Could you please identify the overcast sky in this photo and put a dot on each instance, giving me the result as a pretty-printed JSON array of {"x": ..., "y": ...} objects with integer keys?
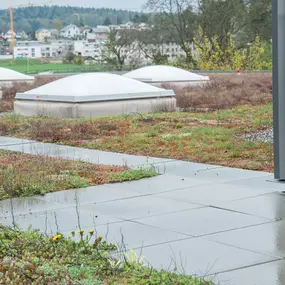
[{"x": 118, "y": 4}]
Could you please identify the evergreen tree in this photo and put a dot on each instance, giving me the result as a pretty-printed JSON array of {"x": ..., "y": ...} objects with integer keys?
[{"x": 107, "y": 22}]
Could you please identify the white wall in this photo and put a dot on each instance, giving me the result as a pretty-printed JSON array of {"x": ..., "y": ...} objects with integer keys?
[
  {"x": 28, "y": 51},
  {"x": 93, "y": 49}
]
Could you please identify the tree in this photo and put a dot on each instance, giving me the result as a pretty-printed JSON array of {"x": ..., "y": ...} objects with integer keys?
[
  {"x": 151, "y": 43},
  {"x": 119, "y": 46},
  {"x": 107, "y": 22},
  {"x": 136, "y": 19},
  {"x": 23, "y": 25},
  {"x": 33, "y": 36},
  {"x": 57, "y": 25},
  {"x": 212, "y": 57},
  {"x": 47, "y": 15},
  {"x": 179, "y": 19},
  {"x": 119, "y": 20},
  {"x": 82, "y": 21},
  {"x": 221, "y": 18},
  {"x": 70, "y": 56},
  {"x": 78, "y": 60},
  {"x": 139, "y": 18},
  {"x": 259, "y": 23}
]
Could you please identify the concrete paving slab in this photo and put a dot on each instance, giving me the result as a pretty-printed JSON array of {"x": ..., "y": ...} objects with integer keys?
[
  {"x": 143, "y": 206},
  {"x": 197, "y": 256},
  {"x": 159, "y": 184},
  {"x": 271, "y": 206},
  {"x": 257, "y": 182},
  {"x": 8, "y": 141},
  {"x": 213, "y": 194},
  {"x": 60, "y": 220},
  {"x": 76, "y": 153},
  {"x": 237, "y": 236},
  {"x": 222, "y": 174},
  {"x": 130, "y": 235},
  {"x": 202, "y": 221},
  {"x": 26, "y": 205},
  {"x": 271, "y": 273},
  {"x": 266, "y": 239},
  {"x": 183, "y": 168},
  {"x": 89, "y": 195},
  {"x": 43, "y": 149}
]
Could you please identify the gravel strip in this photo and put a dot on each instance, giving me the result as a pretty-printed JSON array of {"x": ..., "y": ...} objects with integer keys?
[{"x": 263, "y": 136}]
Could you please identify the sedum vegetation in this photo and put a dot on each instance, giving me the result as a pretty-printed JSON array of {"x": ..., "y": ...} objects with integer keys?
[
  {"x": 30, "y": 258},
  {"x": 209, "y": 128},
  {"x": 28, "y": 175},
  {"x": 209, "y": 137}
]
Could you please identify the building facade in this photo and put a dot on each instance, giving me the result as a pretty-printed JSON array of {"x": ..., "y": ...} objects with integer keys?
[
  {"x": 89, "y": 49},
  {"x": 71, "y": 32},
  {"x": 43, "y": 35},
  {"x": 36, "y": 49}
]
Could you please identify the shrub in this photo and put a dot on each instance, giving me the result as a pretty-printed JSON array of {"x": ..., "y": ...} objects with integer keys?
[
  {"x": 226, "y": 91},
  {"x": 6, "y": 106}
]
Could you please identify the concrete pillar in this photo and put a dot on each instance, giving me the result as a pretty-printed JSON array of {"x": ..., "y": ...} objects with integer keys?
[{"x": 278, "y": 40}]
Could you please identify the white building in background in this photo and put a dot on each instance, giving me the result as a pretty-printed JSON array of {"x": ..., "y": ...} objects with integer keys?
[
  {"x": 9, "y": 34},
  {"x": 171, "y": 50},
  {"x": 98, "y": 33},
  {"x": 36, "y": 49},
  {"x": 28, "y": 49},
  {"x": 130, "y": 26},
  {"x": 43, "y": 35},
  {"x": 23, "y": 36},
  {"x": 70, "y": 32},
  {"x": 89, "y": 49},
  {"x": 135, "y": 54},
  {"x": 61, "y": 47},
  {"x": 54, "y": 33}
]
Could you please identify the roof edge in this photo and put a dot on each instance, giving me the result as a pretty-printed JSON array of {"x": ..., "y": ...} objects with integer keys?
[
  {"x": 95, "y": 98},
  {"x": 149, "y": 80}
]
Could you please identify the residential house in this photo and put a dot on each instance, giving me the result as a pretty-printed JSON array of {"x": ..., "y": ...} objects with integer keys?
[
  {"x": 23, "y": 36},
  {"x": 9, "y": 34},
  {"x": 71, "y": 32},
  {"x": 94, "y": 34},
  {"x": 42, "y": 35},
  {"x": 54, "y": 33},
  {"x": 101, "y": 33}
]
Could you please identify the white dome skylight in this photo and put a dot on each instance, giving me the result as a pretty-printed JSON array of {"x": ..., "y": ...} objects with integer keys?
[
  {"x": 164, "y": 74},
  {"x": 11, "y": 75},
  {"x": 91, "y": 87}
]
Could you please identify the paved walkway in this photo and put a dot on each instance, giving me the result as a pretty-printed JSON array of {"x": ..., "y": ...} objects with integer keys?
[{"x": 222, "y": 223}]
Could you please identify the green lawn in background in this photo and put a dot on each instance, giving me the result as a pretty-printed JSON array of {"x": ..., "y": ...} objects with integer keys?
[{"x": 34, "y": 66}]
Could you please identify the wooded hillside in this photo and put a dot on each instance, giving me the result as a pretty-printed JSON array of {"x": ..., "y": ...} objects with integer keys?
[{"x": 29, "y": 19}]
